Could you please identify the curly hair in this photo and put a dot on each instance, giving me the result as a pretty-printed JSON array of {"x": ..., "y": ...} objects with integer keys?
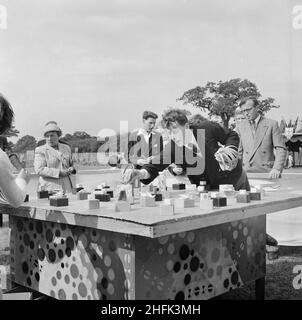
[
  {"x": 196, "y": 120},
  {"x": 175, "y": 115},
  {"x": 7, "y": 115}
]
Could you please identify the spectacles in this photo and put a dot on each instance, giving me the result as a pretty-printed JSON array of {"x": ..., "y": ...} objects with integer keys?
[{"x": 247, "y": 110}]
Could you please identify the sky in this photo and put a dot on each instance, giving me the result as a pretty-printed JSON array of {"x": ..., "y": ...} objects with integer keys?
[{"x": 89, "y": 64}]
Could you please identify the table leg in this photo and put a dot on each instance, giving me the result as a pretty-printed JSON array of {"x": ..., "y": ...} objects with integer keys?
[
  {"x": 1, "y": 220},
  {"x": 260, "y": 289}
]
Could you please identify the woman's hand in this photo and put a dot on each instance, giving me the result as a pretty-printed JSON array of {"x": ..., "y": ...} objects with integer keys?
[
  {"x": 23, "y": 174},
  {"x": 177, "y": 170}
]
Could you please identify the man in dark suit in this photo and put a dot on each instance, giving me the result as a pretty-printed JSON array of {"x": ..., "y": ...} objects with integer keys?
[
  {"x": 197, "y": 152},
  {"x": 145, "y": 143},
  {"x": 262, "y": 146}
]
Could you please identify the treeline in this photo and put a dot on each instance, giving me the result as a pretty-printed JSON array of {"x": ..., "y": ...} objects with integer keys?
[{"x": 79, "y": 141}]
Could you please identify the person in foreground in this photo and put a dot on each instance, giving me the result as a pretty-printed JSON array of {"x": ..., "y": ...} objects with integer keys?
[
  {"x": 12, "y": 188},
  {"x": 53, "y": 162},
  {"x": 201, "y": 156}
]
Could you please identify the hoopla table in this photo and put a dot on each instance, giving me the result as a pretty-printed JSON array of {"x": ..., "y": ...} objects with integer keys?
[{"x": 75, "y": 253}]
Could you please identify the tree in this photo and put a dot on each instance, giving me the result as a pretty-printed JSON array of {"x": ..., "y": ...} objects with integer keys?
[
  {"x": 223, "y": 98},
  {"x": 25, "y": 143},
  {"x": 81, "y": 135}
]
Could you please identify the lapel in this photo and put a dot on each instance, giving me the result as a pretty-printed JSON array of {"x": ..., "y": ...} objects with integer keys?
[
  {"x": 260, "y": 132},
  {"x": 53, "y": 152}
]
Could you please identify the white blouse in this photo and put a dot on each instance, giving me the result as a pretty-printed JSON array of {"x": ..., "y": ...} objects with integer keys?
[{"x": 13, "y": 188}]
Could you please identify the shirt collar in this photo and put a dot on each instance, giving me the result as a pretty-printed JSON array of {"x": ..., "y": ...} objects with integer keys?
[
  {"x": 257, "y": 120},
  {"x": 143, "y": 132}
]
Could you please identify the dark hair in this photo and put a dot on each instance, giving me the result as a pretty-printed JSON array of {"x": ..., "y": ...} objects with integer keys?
[
  {"x": 175, "y": 115},
  {"x": 196, "y": 120},
  {"x": 244, "y": 100},
  {"x": 7, "y": 116},
  {"x": 149, "y": 114}
]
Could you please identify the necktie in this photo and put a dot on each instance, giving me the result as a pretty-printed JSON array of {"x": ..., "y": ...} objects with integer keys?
[
  {"x": 150, "y": 145},
  {"x": 253, "y": 125}
]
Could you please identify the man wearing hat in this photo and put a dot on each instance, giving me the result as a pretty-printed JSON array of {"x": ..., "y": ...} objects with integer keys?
[{"x": 53, "y": 162}]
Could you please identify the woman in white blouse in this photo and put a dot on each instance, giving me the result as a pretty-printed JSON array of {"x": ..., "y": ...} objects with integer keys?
[{"x": 12, "y": 188}]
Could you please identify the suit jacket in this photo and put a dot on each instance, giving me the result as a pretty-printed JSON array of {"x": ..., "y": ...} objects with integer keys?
[
  {"x": 208, "y": 145},
  {"x": 48, "y": 163},
  {"x": 139, "y": 148},
  {"x": 265, "y": 150}
]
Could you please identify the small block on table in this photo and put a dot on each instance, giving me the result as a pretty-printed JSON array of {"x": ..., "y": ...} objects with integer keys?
[
  {"x": 42, "y": 194},
  {"x": 178, "y": 186},
  {"x": 122, "y": 206},
  {"x": 58, "y": 202},
  {"x": 166, "y": 210},
  {"x": 243, "y": 198},
  {"x": 255, "y": 195},
  {"x": 82, "y": 195},
  {"x": 102, "y": 197},
  {"x": 219, "y": 202},
  {"x": 94, "y": 204},
  {"x": 147, "y": 201}
]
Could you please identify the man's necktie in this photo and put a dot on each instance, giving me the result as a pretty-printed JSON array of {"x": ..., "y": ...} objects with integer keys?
[
  {"x": 150, "y": 145},
  {"x": 253, "y": 126}
]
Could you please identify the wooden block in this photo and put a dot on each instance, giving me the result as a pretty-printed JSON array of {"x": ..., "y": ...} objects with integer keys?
[
  {"x": 189, "y": 203},
  {"x": 102, "y": 197},
  {"x": 122, "y": 196},
  {"x": 42, "y": 194},
  {"x": 243, "y": 197},
  {"x": 206, "y": 203},
  {"x": 58, "y": 202},
  {"x": 166, "y": 209},
  {"x": 93, "y": 204},
  {"x": 110, "y": 192},
  {"x": 180, "y": 204},
  {"x": 82, "y": 195},
  {"x": 122, "y": 206},
  {"x": 147, "y": 201},
  {"x": 255, "y": 195},
  {"x": 158, "y": 197},
  {"x": 178, "y": 186},
  {"x": 219, "y": 202}
]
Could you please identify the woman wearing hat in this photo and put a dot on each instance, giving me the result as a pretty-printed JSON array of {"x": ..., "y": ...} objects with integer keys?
[{"x": 53, "y": 162}]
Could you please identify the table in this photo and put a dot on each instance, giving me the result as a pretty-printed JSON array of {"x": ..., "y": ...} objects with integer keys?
[{"x": 75, "y": 253}]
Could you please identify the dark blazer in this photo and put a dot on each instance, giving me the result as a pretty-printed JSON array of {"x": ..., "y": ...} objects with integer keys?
[
  {"x": 208, "y": 144},
  {"x": 139, "y": 148}
]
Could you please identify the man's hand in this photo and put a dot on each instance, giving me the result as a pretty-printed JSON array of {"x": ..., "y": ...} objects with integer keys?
[
  {"x": 142, "y": 162},
  {"x": 71, "y": 170},
  {"x": 177, "y": 170},
  {"x": 274, "y": 174},
  {"x": 64, "y": 173},
  {"x": 23, "y": 174},
  {"x": 130, "y": 175}
]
